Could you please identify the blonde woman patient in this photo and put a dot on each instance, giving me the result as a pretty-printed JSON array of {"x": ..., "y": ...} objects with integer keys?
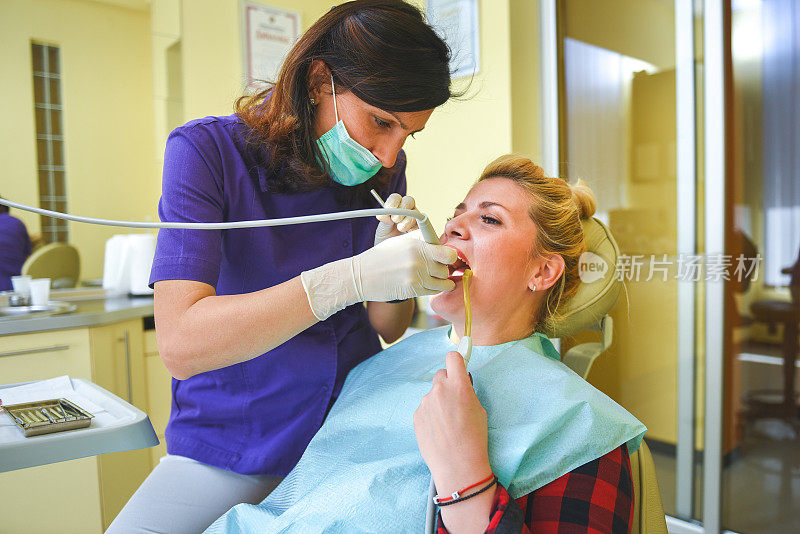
[{"x": 517, "y": 442}]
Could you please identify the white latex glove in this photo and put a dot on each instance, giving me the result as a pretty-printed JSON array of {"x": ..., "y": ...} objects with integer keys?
[
  {"x": 394, "y": 225},
  {"x": 396, "y": 269}
]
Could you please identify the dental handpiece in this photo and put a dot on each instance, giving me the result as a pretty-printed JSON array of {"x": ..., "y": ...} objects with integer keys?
[
  {"x": 425, "y": 225},
  {"x": 428, "y": 233},
  {"x": 426, "y": 228}
]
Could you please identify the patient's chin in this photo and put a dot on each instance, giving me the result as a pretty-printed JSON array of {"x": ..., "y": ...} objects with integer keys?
[{"x": 448, "y": 305}]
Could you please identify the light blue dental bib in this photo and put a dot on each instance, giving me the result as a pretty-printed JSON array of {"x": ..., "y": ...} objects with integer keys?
[{"x": 362, "y": 472}]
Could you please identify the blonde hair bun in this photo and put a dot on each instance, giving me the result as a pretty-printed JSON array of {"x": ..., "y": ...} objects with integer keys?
[{"x": 584, "y": 199}]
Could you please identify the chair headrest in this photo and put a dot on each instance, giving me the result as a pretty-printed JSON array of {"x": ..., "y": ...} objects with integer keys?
[{"x": 598, "y": 290}]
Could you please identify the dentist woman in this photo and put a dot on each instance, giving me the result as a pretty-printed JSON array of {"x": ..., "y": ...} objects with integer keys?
[{"x": 259, "y": 327}]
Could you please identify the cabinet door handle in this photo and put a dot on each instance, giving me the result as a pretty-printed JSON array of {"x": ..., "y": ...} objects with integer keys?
[
  {"x": 54, "y": 348},
  {"x": 127, "y": 340}
]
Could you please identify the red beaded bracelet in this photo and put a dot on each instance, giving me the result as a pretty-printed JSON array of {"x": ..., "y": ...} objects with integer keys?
[{"x": 456, "y": 494}]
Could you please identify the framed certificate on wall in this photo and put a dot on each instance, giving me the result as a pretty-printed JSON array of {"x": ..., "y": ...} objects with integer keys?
[
  {"x": 456, "y": 21},
  {"x": 268, "y": 35}
]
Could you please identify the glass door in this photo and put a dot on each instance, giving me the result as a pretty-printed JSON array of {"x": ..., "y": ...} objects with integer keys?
[
  {"x": 761, "y": 473},
  {"x": 618, "y": 131},
  {"x": 684, "y": 117}
]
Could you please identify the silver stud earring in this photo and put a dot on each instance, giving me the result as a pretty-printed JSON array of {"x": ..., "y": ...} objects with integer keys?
[
  {"x": 313, "y": 102},
  {"x": 534, "y": 289}
]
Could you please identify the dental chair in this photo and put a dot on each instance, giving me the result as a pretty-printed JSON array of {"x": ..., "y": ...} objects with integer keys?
[
  {"x": 59, "y": 262},
  {"x": 588, "y": 310},
  {"x": 581, "y": 357}
]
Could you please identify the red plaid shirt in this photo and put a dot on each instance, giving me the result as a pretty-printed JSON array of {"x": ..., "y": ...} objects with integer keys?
[{"x": 595, "y": 498}]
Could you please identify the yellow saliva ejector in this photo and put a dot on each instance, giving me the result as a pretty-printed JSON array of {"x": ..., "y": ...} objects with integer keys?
[{"x": 465, "y": 343}]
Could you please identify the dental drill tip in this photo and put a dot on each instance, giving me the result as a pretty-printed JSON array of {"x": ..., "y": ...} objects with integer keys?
[{"x": 377, "y": 197}]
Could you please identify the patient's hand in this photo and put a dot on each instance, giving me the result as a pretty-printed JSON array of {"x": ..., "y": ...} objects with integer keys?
[{"x": 450, "y": 425}]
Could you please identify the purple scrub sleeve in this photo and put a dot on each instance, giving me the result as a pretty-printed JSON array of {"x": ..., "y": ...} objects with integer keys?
[
  {"x": 191, "y": 192},
  {"x": 256, "y": 417},
  {"x": 15, "y": 247}
]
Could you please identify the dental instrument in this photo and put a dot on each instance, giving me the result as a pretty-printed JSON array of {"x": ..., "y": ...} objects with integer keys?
[
  {"x": 63, "y": 412},
  {"x": 425, "y": 226},
  {"x": 428, "y": 233},
  {"x": 49, "y": 417}
]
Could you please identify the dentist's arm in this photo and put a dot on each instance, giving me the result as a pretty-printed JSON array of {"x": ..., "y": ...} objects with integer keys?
[
  {"x": 389, "y": 319},
  {"x": 200, "y": 331}
]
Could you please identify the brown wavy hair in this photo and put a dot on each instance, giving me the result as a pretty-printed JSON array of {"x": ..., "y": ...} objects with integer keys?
[
  {"x": 381, "y": 50},
  {"x": 557, "y": 208}
]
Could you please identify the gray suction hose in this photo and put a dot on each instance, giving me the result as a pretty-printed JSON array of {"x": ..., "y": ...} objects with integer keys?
[{"x": 428, "y": 233}]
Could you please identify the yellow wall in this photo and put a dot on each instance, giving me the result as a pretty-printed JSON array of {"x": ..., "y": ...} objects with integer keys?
[
  {"x": 212, "y": 57},
  {"x": 499, "y": 113},
  {"x": 107, "y": 101},
  {"x": 525, "y": 79},
  {"x": 644, "y": 29}
]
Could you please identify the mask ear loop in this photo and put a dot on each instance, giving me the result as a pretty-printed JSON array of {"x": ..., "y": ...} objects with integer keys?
[{"x": 335, "y": 110}]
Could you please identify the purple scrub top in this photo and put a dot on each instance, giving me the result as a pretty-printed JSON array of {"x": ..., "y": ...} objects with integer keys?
[
  {"x": 258, "y": 416},
  {"x": 15, "y": 247}
]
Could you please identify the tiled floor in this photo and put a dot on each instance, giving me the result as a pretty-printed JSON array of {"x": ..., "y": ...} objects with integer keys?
[{"x": 761, "y": 487}]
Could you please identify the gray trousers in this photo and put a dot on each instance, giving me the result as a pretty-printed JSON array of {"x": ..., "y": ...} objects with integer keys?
[{"x": 182, "y": 495}]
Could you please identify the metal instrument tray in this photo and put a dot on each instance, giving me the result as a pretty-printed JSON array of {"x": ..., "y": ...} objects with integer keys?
[
  {"x": 45, "y": 417},
  {"x": 118, "y": 426}
]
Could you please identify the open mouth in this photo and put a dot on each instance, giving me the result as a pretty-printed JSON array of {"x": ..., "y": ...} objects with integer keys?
[{"x": 457, "y": 269}]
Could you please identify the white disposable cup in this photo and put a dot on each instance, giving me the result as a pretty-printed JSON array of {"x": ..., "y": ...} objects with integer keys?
[
  {"x": 40, "y": 291},
  {"x": 21, "y": 285}
]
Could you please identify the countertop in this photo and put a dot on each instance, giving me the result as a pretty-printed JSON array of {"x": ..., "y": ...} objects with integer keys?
[{"x": 95, "y": 308}]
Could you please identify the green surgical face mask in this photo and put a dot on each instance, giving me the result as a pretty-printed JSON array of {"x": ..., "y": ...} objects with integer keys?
[{"x": 349, "y": 162}]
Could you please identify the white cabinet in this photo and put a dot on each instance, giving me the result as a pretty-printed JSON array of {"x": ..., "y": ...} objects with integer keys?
[
  {"x": 159, "y": 393},
  {"x": 83, "y": 495},
  {"x": 118, "y": 366}
]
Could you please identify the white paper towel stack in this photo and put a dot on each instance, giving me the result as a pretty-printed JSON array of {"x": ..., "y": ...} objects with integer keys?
[{"x": 128, "y": 260}]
